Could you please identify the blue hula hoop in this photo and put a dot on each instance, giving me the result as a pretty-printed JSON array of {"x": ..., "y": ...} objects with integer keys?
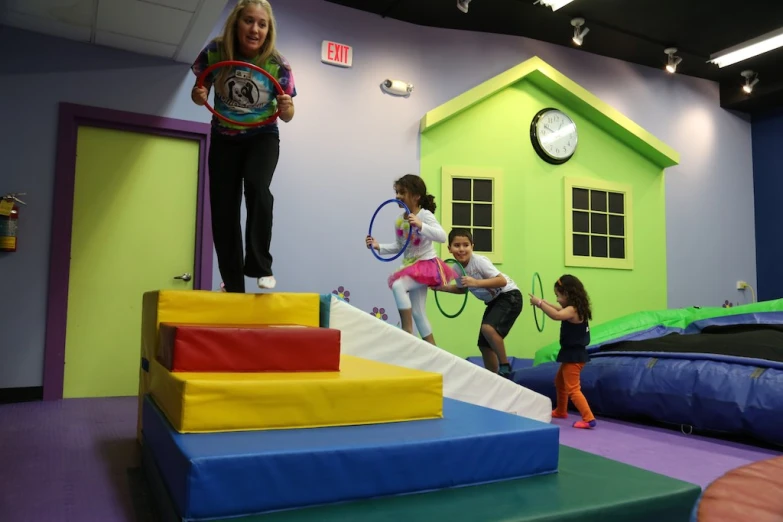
[{"x": 410, "y": 230}]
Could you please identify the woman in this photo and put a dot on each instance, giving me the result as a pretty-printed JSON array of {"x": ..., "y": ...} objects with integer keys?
[{"x": 240, "y": 154}]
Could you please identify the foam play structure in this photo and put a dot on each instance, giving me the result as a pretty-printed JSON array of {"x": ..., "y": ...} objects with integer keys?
[
  {"x": 710, "y": 369},
  {"x": 263, "y": 407}
]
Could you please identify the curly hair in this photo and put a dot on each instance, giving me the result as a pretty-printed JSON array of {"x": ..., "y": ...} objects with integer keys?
[
  {"x": 413, "y": 184},
  {"x": 576, "y": 295}
]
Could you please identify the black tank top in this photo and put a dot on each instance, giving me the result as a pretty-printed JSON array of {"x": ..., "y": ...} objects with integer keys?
[{"x": 574, "y": 340}]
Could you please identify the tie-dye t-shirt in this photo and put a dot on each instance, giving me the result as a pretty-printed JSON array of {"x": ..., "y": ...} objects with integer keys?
[{"x": 245, "y": 95}]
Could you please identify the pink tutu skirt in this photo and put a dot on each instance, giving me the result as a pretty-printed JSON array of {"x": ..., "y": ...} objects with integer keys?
[{"x": 431, "y": 272}]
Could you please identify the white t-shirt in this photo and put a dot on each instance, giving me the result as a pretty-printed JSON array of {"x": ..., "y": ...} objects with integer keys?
[
  {"x": 420, "y": 248},
  {"x": 480, "y": 267}
]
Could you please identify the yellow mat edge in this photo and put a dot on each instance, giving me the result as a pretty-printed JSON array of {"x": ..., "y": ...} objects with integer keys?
[{"x": 420, "y": 398}]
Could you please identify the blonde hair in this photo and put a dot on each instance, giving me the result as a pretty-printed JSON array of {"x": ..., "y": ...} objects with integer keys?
[{"x": 226, "y": 42}]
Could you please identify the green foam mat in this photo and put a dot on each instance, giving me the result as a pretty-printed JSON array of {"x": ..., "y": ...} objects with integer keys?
[
  {"x": 587, "y": 488},
  {"x": 672, "y": 318}
]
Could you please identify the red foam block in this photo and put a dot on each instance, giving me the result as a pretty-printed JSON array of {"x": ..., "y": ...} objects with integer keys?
[{"x": 237, "y": 348}]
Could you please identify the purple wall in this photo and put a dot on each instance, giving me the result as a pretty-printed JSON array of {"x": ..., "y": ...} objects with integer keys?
[{"x": 348, "y": 142}]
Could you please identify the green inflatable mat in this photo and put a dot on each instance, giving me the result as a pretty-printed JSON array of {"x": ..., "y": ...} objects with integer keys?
[
  {"x": 679, "y": 318},
  {"x": 586, "y": 488}
]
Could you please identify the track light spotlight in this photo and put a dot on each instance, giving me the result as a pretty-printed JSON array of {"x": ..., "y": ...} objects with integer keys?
[
  {"x": 462, "y": 5},
  {"x": 674, "y": 61},
  {"x": 749, "y": 84},
  {"x": 579, "y": 34}
]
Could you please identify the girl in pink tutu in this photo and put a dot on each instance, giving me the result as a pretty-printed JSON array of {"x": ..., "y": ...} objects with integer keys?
[{"x": 421, "y": 268}]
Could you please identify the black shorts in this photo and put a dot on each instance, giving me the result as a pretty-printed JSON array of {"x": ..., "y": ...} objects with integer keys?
[{"x": 501, "y": 313}]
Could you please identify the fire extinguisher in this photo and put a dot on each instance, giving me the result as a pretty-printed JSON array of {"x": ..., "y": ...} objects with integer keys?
[{"x": 9, "y": 221}]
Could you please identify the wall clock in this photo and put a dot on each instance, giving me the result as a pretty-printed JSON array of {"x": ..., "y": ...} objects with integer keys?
[{"x": 554, "y": 135}]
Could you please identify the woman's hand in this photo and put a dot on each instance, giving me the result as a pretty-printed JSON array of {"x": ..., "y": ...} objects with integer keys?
[
  {"x": 199, "y": 95},
  {"x": 285, "y": 105}
]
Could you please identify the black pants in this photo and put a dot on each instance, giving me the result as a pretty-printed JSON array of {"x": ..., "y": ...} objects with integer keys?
[{"x": 232, "y": 161}]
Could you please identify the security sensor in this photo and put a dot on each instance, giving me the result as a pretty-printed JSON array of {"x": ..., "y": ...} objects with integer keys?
[{"x": 397, "y": 88}]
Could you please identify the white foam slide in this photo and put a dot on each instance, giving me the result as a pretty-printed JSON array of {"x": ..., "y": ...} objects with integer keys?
[{"x": 362, "y": 335}]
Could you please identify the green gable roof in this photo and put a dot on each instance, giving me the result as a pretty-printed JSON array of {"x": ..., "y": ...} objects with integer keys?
[{"x": 554, "y": 83}]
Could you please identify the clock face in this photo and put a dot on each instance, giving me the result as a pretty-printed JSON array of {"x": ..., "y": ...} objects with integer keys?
[{"x": 554, "y": 136}]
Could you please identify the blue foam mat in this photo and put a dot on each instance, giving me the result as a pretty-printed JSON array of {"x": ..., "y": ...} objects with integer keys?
[
  {"x": 713, "y": 395},
  {"x": 232, "y": 474}
]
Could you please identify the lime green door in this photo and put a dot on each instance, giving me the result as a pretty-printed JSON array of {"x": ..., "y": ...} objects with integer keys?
[{"x": 134, "y": 223}]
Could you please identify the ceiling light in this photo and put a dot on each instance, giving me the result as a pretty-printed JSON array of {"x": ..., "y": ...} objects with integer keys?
[
  {"x": 554, "y": 4},
  {"x": 748, "y": 87},
  {"x": 579, "y": 36},
  {"x": 462, "y": 5},
  {"x": 749, "y": 49},
  {"x": 674, "y": 61}
]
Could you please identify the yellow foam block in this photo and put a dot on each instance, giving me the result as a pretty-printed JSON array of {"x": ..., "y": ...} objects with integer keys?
[
  {"x": 363, "y": 392},
  {"x": 204, "y": 307}
]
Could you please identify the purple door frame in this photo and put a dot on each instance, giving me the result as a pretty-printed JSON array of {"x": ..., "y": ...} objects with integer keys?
[{"x": 71, "y": 116}]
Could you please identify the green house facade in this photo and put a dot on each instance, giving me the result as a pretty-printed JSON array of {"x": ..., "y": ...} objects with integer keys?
[{"x": 594, "y": 206}]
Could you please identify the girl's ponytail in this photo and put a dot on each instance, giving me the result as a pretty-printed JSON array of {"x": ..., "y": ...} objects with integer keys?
[{"x": 428, "y": 203}]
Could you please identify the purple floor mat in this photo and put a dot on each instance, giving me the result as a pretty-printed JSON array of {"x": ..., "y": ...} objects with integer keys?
[
  {"x": 77, "y": 460},
  {"x": 68, "y": 461},
  {"x": 692, "y": 458}
]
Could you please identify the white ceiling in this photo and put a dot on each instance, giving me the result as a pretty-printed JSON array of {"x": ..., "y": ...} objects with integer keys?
[{"x": 175, "y": 29}]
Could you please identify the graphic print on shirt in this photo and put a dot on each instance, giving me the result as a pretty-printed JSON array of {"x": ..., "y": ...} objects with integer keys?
[
  {"x": 245, "y": 95},
  {"x": 402, "y": 226}
]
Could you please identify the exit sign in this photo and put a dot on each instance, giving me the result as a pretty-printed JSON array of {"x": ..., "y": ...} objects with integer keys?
[{"x": 337, "y": 54}]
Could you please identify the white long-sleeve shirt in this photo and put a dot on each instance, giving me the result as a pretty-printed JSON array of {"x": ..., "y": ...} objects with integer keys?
[{"x": 420, "y": 247}]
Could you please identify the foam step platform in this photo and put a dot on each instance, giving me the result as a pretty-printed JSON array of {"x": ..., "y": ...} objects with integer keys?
[
  {"x": 221, "y": 475},
  {"x": 204, "y": 307},
  {"x": 362, "y": 392},
  {"x": 248, "y": 348},
  {"x": 586, "y": 488}
]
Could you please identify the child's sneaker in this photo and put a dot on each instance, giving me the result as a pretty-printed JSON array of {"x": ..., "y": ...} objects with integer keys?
[
  {"x": 222, "y": 287},
  {"x": 505, "y": 370},
  {"x": 584, "y": 425},
  {"x": 267, "y": 282}
]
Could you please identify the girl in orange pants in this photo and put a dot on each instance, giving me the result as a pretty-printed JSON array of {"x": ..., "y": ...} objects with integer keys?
[{"x": 574, "y": 315}]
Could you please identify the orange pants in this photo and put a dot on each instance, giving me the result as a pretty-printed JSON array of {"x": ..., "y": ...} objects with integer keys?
[{"x": 568, "y": 387}]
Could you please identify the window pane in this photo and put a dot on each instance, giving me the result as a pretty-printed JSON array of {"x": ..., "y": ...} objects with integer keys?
[
  {"x": 581, "y": 222},
  {"x": 581, "y": 245},
  {"x": 616, "y": 248},
  {"x": 616, "y": 226},
  {"x": 482, "y": 190},
  {"x": 482, "y": 215},
  {"x": 580, "y": 197},
  {"x": 597, "y": 223},
  {"x": 598, "y": 200},
  {"x": 598, "y": 246},
  {"x": 460, "y": 189},
  {"x": 460, "y": 214},
  {"x": 482, "y": 239},
  {"x": 616, "y": 203}
]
